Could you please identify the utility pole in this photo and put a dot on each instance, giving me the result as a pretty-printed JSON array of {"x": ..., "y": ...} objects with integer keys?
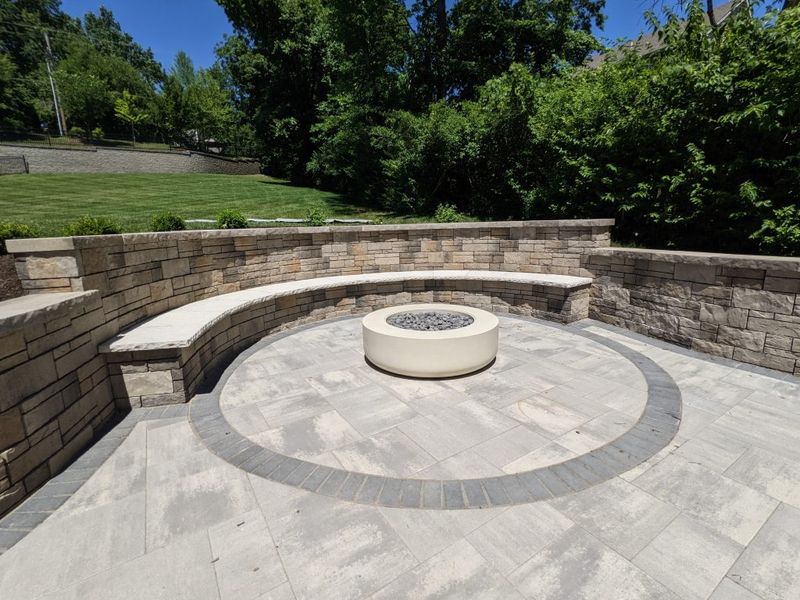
[{"x": 47, "y": 59}]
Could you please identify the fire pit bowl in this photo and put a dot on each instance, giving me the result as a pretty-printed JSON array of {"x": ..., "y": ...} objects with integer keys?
[{"x": 430, "y": 340}]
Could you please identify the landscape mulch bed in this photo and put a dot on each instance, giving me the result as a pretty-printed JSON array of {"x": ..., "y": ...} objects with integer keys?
[{"x": 10, "y": 286}]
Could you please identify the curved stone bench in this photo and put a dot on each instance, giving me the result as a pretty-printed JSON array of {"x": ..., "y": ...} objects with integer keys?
[{"x": 162, "y": 360}]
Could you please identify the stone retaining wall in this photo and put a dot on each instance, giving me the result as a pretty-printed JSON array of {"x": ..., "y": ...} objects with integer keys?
[
  {"x": 741, "y": 307},
  {"x": 123, "y": 160},
  {"x": 54, "y": 387},
  {"x": 144, "y": 274}
]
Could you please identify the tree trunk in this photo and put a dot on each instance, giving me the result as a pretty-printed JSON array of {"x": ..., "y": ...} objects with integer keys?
[
  {"x": 443, "y": 33},
  {"x": 712, "y": 16},
  {"x": 441, "y": 16}
]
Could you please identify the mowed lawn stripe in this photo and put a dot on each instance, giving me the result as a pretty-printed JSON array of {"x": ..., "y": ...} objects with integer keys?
[{"x": 49, "y": 202}]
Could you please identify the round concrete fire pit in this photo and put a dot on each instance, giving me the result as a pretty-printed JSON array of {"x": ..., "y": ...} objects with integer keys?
[{"x": 430, "y": 340}]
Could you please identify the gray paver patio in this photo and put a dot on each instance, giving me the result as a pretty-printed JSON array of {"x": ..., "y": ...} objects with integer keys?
[{"x": 715, "y": 514}]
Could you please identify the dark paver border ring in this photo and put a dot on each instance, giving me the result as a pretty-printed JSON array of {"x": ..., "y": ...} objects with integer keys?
[{"x": 654, "y": 430}]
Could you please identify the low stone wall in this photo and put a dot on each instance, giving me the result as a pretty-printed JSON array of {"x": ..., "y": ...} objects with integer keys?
[
  {"x": 54, "y": 387},
  {"x": 123, "y": 160},
  {"x": 741, "y": 307},
  {"x": 144, "y": 274}
]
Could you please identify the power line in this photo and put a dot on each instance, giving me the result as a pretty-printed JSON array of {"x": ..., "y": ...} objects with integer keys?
[
  {"x": 81, "y": 34},
  {"x": 56, "y": 103}
]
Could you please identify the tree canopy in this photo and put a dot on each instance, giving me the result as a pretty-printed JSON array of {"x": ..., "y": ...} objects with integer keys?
[
  {"x": 489, "y": 106},
  {"x": 99, "y": 68}
]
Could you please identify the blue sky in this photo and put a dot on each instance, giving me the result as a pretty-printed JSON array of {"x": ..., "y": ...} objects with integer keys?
[
  {"x": 196, "y": 26},
  {"x": 165, "y": 26}
]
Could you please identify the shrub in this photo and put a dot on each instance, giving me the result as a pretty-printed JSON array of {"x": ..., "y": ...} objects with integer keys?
[
  {"x": 11, "y": 231},
  {"x": 98, "y": 133},
  {"x": 447, "y": 213},
  {"x": 231, "y": 219},
  {"x": 316, "y": 216},
  {"x": 78, "y": 132},
  {"x": 167, "y": 221},
  {"x": 93, "y": 226}
]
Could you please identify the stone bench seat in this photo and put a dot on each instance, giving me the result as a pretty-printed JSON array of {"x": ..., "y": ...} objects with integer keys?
[{"x": 162, "y": 360}]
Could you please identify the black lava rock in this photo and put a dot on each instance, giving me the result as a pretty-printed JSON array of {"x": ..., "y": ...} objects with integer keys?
[{"x": 430, "y": 321}]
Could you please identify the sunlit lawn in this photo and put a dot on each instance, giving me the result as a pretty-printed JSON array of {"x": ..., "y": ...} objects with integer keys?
[{"x": 49, "y": 202}]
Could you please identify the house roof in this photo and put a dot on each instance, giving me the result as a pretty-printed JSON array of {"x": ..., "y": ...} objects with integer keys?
[{"x": 651, "y": 42}]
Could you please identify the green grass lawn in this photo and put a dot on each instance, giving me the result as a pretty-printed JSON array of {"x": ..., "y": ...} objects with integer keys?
[{"x": 49, "y": 202}]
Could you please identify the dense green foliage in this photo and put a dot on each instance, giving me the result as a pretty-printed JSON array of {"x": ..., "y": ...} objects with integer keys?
[
  {"x": 316, "y": 216},
  {"x": 488, "y": 107},
  {"x": 167, "y": 221},
  {"x": 230, "y": 218},
  {"x": 698, "y": 147},
  {"x": 482, "y": 108},
  {"x": 88, "y": 225},
  {"x": 108, "y": 83},
  {"x": 447, "y": 213}
]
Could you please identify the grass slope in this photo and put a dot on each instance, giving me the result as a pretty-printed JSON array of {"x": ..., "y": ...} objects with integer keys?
[{"x": 49, "y": 202}]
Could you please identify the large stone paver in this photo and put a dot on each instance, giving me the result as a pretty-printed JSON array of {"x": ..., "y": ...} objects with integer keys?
[
  {"x": 729, "y": 507},
  {"x": 73, "y": 547},
  {"x": 333, "y": 549},
  {"x": 672, "y": 558},
  {"x": 770, "y": 566},
  {"x": 459, "y": 571},
  {"x": 245, "y": 558},
  {"x": 618, "y": 513},
  {"x": 713, "y": 515},
  {"x": 577, "y": 565},
  {"x": 180, "y": 571}
]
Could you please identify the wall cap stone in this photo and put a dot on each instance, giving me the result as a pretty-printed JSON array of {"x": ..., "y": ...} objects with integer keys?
[
  {"x": 34, "y": 245},
  {"x": 38, "y": 308},
  {"x": 748, "y": 261}
]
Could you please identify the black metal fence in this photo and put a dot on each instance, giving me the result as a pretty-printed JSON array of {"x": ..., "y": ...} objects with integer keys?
[
  {"x": 36, "y": 138},
  {"x": 13, "y": 165}
]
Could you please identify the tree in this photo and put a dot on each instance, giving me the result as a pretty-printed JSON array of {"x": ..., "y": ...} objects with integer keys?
[
  {"x": 126, "y": 110},
  {"x": 368, "y": 63},
  {"x": 22, "y": 42},
  {"x": 488, "y": 36},
  {"x": 105, "y": 34},
  {"x": 195, "y": 105},
  {"x": 276, "y": 58},
  {"x": 7, "y": 73},
  {"x": 89, "y": 83},
  {"x": 429, "y": 60},
  {"x": 369, "y": 56}
]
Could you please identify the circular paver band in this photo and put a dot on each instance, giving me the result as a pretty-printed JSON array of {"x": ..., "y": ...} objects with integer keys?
[{"x": 654, "y": 430}]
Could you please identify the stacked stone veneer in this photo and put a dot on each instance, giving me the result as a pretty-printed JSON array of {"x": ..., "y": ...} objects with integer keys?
[
  {"x": 140, "y": 275},
  {"x": 124, "y": 160},
  {"x": 741, "y": 307},
  {"x": 54, "y": 387}
]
